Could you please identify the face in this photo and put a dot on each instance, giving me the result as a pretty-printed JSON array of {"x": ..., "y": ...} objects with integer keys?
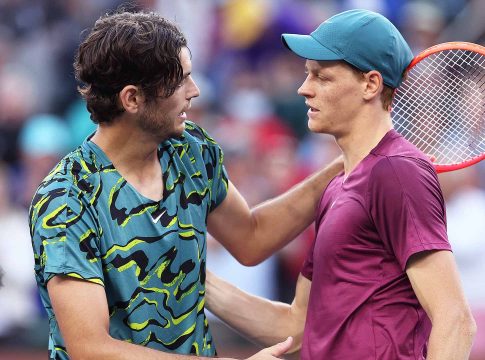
[
  {"x": 333, "y": 93},
  {"x": 165, "y": 118}
]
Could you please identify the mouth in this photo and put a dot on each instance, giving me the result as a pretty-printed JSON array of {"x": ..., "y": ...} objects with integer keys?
[
  {"x": 311, "y": 109},
  {"x": 183, "y": 113},
  {"x": 312, "y": 112}
]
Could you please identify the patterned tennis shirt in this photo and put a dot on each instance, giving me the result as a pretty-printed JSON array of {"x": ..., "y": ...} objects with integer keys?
[{"x": 87, "y": 222}]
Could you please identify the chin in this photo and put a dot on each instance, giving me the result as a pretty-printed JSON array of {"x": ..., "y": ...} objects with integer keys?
[
  {"x": 178, "y": 130},
  {"x": 318, "y": 128},
  {"x": 313, "y": 127}
]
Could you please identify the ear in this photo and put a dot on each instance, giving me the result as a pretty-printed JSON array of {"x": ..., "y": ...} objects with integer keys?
[
  {"x": 374, "y": 84},
  {"x": 130, "y": 98}
]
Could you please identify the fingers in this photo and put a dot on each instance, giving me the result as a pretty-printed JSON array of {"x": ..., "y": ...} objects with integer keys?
[
  {"x": 431, "y": 157},
  {"x": 274, "y": 351},
  {"x": 281, "y": 348}
]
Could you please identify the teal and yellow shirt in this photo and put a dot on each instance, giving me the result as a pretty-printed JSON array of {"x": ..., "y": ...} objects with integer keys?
[{"x": 87, "y": 222}]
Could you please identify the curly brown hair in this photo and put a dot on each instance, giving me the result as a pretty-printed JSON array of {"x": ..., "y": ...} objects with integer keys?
[{"x": 128, "y": 48}]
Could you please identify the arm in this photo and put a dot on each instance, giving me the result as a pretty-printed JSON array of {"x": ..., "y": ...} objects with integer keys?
[
  {"x": 251, "y": 235},
  {"x": 82, "y": 313},
  {"x": 262, "y": 321},
  {"x": 435, "y": 280}
]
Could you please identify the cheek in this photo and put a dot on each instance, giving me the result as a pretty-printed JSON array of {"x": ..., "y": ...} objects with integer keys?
[
  {"x": 329, "y": 103},
  {"x": 338, "y": 94},
  {"x": 343, "y": 98},
  {"x": 174, "y": 107},
  {"x": 329, "y": 94}
]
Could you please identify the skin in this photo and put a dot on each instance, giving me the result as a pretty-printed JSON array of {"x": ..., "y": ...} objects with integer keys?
[
  {"x": 260, "y": 320},
  {"x": 164, "y": 118},
  {"x": 131, "y": 143},
  {"x": 82, "y": 313},
  {"x": 332, "y": 97},
  {"x": 347, "y": 105}
]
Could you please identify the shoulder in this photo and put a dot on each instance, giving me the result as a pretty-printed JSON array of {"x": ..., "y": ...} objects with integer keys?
[
  {"x": 396, "y": 158},
  {"x": 78, "y": 164},
  {"x": 402, "y": 168},
  {"x": 193, "y": 133},
  {"x": 394, "y": 145},
  {"x": 197, "y": 143},
  {"x": 75, "y": 176},
  {"x": 400, "y": 176}
]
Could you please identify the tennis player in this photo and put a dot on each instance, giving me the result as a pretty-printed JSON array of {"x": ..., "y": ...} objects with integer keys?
[
  {"x": 380, "y": 281},
  {"x": 119, "y": 226}
]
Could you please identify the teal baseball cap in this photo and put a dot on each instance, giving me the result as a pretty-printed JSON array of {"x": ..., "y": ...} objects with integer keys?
[{"x": 362, "y": 38}]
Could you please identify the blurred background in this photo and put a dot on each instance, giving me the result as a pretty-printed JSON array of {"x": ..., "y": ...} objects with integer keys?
[{"x": 248, "y": 104}]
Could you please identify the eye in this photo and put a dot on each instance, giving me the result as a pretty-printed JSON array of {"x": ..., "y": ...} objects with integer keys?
[
  {"x": 323, "y": 78},
  {"x": 184, "y": 80}
]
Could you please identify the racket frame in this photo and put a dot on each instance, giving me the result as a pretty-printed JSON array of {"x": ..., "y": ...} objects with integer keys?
[{"x": 454, "y": 45}]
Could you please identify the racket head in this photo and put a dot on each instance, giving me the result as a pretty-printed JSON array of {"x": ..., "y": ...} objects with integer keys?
[{"x": 440, "y": 106}]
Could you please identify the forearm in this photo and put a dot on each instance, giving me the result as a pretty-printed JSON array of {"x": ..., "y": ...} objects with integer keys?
[
  {"x": 262, "y": 321},
  {"x": 253, "y": 235},
  {"x": 280, "y": 220},
  {"x": 82, "y": 314},
  {"x": 451, "y": 339},
  {"x": 109, "y": 348}
]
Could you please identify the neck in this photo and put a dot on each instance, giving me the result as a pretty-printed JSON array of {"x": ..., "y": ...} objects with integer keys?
[
  {"x": 365, "y": 134},
  {"x": 131, "y": 151}
]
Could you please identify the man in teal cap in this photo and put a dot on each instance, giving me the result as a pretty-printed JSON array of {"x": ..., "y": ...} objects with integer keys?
[{"x": 380, "y": 281}]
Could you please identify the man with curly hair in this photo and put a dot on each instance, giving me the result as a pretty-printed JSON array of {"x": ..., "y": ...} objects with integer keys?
[{"x": 119, "y": 226}]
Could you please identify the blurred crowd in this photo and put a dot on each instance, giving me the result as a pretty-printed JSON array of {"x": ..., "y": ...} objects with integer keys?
[{"x": 248, "y": 103}]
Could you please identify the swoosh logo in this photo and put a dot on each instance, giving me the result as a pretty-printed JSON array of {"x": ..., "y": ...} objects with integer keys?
[{"x": 156, "y": 219}]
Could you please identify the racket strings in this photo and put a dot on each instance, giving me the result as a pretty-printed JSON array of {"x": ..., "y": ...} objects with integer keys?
[
  {"x": 440, "y": 107},
  {"x": 444, "y": 105}
]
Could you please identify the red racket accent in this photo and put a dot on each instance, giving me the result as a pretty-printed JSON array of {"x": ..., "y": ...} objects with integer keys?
[{"x": 440, "y": 107}]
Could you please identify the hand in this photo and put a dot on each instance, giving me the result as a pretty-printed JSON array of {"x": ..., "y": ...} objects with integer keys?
[
  {"x": 273, "y": 352},
  {"x": 431, "y": 157}
]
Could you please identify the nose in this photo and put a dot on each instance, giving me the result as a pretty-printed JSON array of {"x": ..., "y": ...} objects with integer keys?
[
  {"x": 304, "y": 89},
  {"x": 193, "y": 90}
]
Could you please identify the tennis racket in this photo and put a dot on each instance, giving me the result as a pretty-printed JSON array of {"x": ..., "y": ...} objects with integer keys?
[{"x": 440, "y": 107}]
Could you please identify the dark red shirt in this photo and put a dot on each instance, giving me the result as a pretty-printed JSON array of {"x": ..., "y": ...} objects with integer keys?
[{"x": 362, "y": 305}]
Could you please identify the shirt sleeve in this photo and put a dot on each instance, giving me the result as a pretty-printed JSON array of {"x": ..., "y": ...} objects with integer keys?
[
  {"x": 407, "y": 207},
  {"x": 307, "y": 268},
  {"x": 219, "y": 183},
  {"x": 216, "y": 171},
  {"x": 65, "y": 236}
]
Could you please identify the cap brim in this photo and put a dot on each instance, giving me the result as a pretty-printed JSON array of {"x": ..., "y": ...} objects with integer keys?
[{"x": 307, "y": 47}]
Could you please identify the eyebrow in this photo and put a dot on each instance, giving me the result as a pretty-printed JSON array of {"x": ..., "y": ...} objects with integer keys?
[{"x": 313, "y": 69}]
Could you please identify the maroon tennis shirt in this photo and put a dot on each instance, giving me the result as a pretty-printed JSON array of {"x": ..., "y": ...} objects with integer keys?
[{"x": 362, "y": 305}]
